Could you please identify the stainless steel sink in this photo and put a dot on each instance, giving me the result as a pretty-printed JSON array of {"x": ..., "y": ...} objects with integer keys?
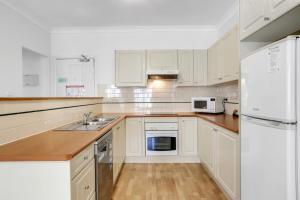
[{"x": 96, "y": 123}]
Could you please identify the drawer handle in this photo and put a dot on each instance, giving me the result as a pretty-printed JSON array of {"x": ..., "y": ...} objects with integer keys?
[
  {"x": 87, "y": 187},
  {"x": 267, "y": 18},
  {"x": 118, "y": 128},
  {"x": 215, "y": 129},
  {"x": 85, "y": 158}
]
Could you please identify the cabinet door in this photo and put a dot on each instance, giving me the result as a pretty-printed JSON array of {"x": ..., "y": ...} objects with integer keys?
[
  {"x": 162, "y": 59},
  {"x": 123, "y": 141},
  {"x": 116, "y": 151},
  {"x": 276, "y": 8},
  {"x": 130, "y": 68},
  {"x": 253, "y": 16},
  {"x": 227, "y": 162},
  {"x": 207, "y": 145},
  {"x": 188, "y": 136},
  {"x": 83, "y": 186},
  {"x": 212, "y": 65},
  {"x": 231, "y": 56},
  {"x": 135, "y": 140},
  {"x": 200, "y": 67},
  {"x": 186, "y": 67},
  {"x": 220, "y": 56}
]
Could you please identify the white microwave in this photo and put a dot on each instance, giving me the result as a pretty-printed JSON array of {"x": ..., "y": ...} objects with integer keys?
[{"x": 208, "y": 104}]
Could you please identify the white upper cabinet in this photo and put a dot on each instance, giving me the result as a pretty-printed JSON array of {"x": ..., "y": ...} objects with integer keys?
[
  {"x": 130, "y": 68},
  {"x": 186, "y": 67},
  {"x": 200, "y": 67},
  {"x": 231, "y": 56},
  {"x": 223, "y": 59},
  {"x": 188, "y": 136},
  {"x": 135, "y": 139},
  {"x": 212, "y": 65},
  {"x": 162, "y": 59},
  {"x": 253, "y": 16},
  {"x": 278, "y": 7},
  {"x": 192, "y": 65}
]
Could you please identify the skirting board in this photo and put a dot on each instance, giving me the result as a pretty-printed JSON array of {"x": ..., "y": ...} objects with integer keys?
[{"x": 163, "y": 159}]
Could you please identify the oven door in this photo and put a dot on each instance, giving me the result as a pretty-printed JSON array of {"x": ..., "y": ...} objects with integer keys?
[{"x": 161, "y": 143}]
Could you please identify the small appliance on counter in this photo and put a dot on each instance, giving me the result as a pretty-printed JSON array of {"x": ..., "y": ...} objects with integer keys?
[{"x": 208, "y": 104}]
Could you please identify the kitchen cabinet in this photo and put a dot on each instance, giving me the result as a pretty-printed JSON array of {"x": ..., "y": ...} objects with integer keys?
[
  {"x": 186, "y": 67},
  {"x": 83, "y": 186},
  {"x": 200, "y": 67},
  {"x": 119, "y": 148},
  {"x": 135, "y": 138},
  {"x": 219, "y": 153},
  {"x": 276, "y": 8},
  {"x": 162, "y": 59},
  {"x": 227, "y": 161},
  {"x": 188, "y": 136},
  {"x": 206, "y": 136},
  {"x": 231, "y": 56},
  {"x": 255, "y": 14},
  {"x": 223, "y": 59},
  {"x": 192, "y": 65},
  {"x": 130, "y": 68},
  {"x": 212, "y": 64}
]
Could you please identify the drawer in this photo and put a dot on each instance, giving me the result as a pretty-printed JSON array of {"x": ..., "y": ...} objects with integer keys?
[
  {"x": 83, "y": 186},
  {"x": 161, "y": 126},
  {"x": 161, "y": 119},
  {"x": 81, "y": 160}
]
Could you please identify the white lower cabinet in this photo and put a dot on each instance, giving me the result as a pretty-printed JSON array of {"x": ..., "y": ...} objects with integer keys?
[
  {"x": 135, "y": 138},
  {"x": 119, "y": 138},
  {"x": 188, "y": 136},
  {"x": 219, "y": 153},
  {"x": 206, "y": 144},
  {"x": 227, "y": 162},
  {"x": 83, "y": 185}
]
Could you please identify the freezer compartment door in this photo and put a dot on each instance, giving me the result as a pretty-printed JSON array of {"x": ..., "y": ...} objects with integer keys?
[
  {"x": 268, "y": 82},
  {"x": 267, "y": 161}
]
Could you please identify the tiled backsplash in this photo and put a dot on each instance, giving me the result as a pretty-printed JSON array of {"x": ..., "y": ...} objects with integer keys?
[{"x": 160, "y": 96}]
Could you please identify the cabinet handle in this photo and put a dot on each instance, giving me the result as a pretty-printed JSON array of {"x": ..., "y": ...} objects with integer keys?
[
  {"x": 267, "y": 18},
  {"x": 87, "y": 187},
  {"x": 118, "y": 128},
  {"x": 85, "y": 158},
  {"x": 220, "y": 78},
  {"x": 215, "y": 129}
]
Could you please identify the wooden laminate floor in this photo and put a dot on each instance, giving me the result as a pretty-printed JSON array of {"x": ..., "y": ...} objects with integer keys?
[{"x": 166, "y": 182}]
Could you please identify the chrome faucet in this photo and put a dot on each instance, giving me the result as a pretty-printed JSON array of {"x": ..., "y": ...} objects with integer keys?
[{"x": 86, "y": 117}]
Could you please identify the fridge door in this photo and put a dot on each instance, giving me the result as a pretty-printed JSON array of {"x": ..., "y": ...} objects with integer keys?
[
  {"x": 268, "y": 82},
  {"x": 267, "y": 160}
]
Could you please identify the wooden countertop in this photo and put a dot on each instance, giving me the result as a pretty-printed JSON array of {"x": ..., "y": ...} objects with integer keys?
[{"x": 64, "y": 145}]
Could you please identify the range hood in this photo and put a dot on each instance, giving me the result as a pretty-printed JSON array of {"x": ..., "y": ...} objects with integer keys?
[{"x": 162, "y": 74}]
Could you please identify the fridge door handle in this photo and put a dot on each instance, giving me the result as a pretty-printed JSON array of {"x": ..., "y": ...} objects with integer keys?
[{"x": 269, "y": 123}]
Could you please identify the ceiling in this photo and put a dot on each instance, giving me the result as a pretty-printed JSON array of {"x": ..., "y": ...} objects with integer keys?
[{"x": 69, "y": 13}]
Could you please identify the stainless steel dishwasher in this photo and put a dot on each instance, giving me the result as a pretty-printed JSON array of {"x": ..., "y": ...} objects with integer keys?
[{"x": 104, "y": 167}]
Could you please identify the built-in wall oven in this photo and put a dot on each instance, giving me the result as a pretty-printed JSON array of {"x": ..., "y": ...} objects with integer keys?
[{"x": 161, "y": 138}]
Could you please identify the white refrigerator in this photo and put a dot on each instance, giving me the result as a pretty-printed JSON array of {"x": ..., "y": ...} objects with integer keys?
[{"x": 270, "y": 82}]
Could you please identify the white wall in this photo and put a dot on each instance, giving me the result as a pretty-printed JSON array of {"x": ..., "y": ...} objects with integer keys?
[
  {"x": 17, "y": 32},
  {"x": 36, "y": 64},
  {"x": 101, "y": 43}
]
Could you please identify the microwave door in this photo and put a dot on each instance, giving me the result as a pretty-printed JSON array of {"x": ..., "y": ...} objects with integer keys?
[{"x": 200, "y": 104}]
